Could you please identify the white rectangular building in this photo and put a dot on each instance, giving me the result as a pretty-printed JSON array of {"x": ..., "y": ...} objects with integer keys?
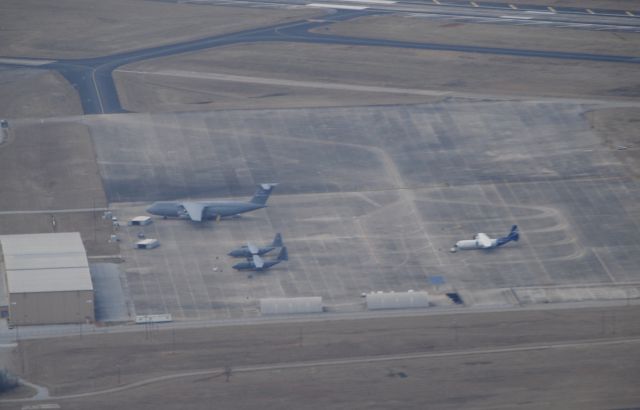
[
  {"x": 289, "y": 306},
  {"x": 140, "y": 221},
  {"x": 48, "y": 279},
  {"x": 397, "y": 300},
  {"x": 149, "y": 243}
]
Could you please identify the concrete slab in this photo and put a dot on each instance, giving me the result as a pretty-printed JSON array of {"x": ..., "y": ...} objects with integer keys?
[
  {"x": 111, "y": 302},
  {"x": 371, "y": 198},
  {"x": 578, "y": 293}
]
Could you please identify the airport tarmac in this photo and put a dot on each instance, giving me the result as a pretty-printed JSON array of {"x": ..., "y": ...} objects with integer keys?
[
  {"x": 504, "y": 129},
  {"x": 372, "y": 199}
]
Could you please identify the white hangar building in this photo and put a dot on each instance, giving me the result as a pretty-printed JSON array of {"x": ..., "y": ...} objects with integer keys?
[{"x": 47, "y": 279}]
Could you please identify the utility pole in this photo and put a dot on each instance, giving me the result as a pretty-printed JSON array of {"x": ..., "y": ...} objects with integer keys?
[{"x": 95, "y": 215}]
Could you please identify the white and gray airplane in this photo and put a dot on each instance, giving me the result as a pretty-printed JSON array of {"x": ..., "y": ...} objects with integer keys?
[
  {"x": 248, "y": 250},
  {"x": 483, "y": 241},
  {"x": 198, "y": 211},
  {"x": 256, "y": 263}
]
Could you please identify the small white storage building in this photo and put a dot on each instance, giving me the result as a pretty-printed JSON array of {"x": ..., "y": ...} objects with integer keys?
[
  {"x": 288, "y": 306},
  {"x": 147, "y": 244},
  {"x": 397, "y": 300},
  {"x": 140, "y": 221}
]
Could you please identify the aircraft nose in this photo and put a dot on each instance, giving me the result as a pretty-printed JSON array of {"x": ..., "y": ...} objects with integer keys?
[{"x": 152, "y": 209}]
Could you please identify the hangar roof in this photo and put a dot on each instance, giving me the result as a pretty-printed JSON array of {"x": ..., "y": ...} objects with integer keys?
[
  {"x": 49, "y": 280},
  {"x": 45, "y": 262}
]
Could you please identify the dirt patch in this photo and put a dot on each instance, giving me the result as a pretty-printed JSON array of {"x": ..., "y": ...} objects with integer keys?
[
  {"x": 619, "y": 129},
  {"x": 47, "y": 167},
  {"x": 487, "y": 35},
  {"x": 36, "y": 93},
  {"x": 96, "y": 362},
  {"x": 142, "y": 90},
  {"x": 76, "y": 29},
  {"x": 149, "y": 93}
]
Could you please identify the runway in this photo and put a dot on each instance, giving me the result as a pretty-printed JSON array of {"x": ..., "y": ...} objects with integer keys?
[{"x": 459, "y": 7}]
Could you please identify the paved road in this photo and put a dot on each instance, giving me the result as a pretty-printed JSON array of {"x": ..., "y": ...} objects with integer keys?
[{"x": 9, "y": 336}]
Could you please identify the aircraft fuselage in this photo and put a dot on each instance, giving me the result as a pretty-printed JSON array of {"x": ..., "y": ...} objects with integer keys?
[
  {"x": 473, "y": 244},
  {"x": 251, "y": 266},
  {"x": 212, "y": 210},
  {"x": 482, "y": 241},
  {"x": 244, "y": 252}
]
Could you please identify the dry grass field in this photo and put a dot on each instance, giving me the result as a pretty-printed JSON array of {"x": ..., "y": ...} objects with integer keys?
[{"x": 519, "y": 359}]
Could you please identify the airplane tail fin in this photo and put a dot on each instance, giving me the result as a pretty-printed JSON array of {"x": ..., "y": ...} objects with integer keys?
[
  {"x": 513, "y": 235},
  {"x": 283, "y": 255},
  {"x": 277, "y": 241},
  {"x": 262, "y": 194}
]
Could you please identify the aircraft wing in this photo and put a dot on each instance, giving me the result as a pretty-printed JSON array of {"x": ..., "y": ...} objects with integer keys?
[
  {"x": 483, "y": 240},
  {"x": 194, "y": 209},
  {"x": 258, "y": 262},
  {"x": 252, "y": 248}
]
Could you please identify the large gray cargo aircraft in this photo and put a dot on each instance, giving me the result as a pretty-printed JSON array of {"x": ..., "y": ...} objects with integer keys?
[{"x": 199, "y": 211}]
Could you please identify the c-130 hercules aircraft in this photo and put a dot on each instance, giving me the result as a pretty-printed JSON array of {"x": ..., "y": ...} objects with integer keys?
[
  {"x": 203, "y": 210},
  {"x": 248, "y": 250},
  {"x": 258, "y": 264}
]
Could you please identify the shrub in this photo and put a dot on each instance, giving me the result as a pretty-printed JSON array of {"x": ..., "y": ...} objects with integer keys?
[{"x": 7, "y": 381}]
